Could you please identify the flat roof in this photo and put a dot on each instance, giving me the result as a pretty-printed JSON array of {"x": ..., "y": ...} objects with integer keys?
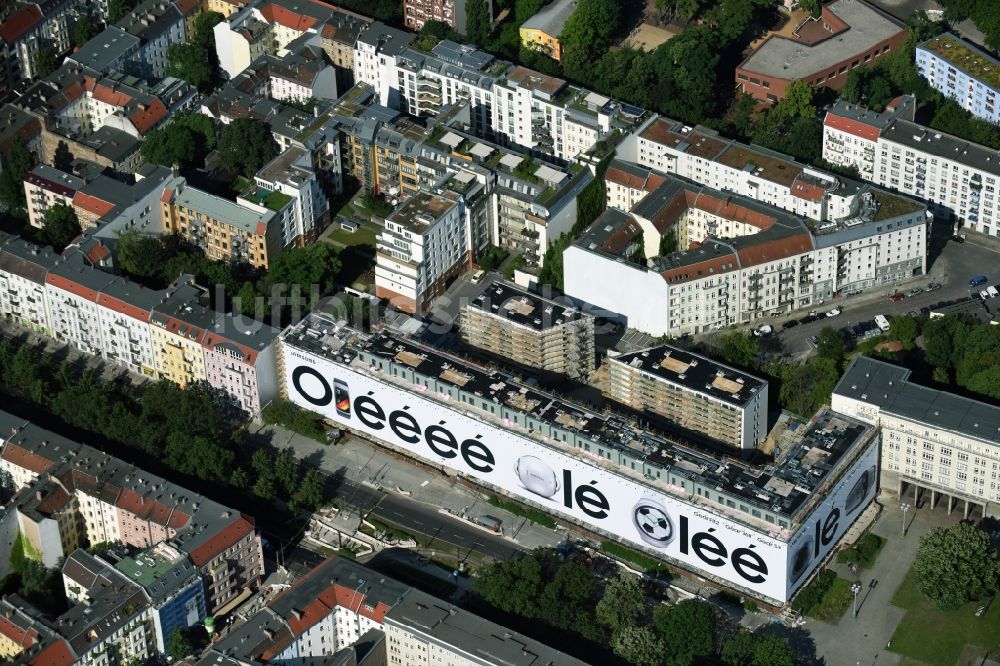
[
  {"x": 790, "y": 59},
  {"x": 966, "y": 57},
  {"x": 103, "y": 50},
  {"x": 784, "y": 487},
  {"x": 510, "y": 302},
  {"x": 948, "y": 146},
  {"x": 477, "y": 639},
  {"x": 889, "y": 387},
  {"x": 423, "y": 210},
  {"x": 694, "y": 372}
]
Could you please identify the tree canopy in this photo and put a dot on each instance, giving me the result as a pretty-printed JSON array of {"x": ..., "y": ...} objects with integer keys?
[
  {"x": 478, "y": 21},
  {"x": 687, "y": 631},
  {"x": 955, "y": 565},
  {"x": 16, "y": 164},
  {"x": 60, "y": 226},
  {"x": 191, "y": 63},
  {"x": 184, "y": 142},
  {"x": 245, "y": 146}
]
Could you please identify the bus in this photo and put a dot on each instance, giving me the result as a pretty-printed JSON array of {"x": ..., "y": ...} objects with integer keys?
[{"x": 882, "y": 323}]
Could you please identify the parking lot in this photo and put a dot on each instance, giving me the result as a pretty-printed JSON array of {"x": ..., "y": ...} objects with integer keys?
[{"x": 956, "y": 264}]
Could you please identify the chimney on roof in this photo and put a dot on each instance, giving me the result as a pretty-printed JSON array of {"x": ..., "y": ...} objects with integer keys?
[{"x": 297, "y": 613}]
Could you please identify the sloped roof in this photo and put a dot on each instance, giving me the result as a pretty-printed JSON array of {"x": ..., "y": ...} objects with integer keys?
[{"x": 20, "y": 23}]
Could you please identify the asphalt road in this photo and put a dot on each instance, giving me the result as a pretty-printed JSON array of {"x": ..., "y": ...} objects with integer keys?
[
  {"x": 416, "y": 517},
  {"x": 952, "y": 268}
]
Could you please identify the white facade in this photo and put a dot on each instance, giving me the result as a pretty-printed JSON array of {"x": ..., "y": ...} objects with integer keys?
[
  {"x": 292, "y": 174},
  {"x": 930, "y": 439},
  {"x": 963, "y": 72},
  {"x": 126, "y": 340},
  {"x": 75, "y": 318},
  {"x": 957, "y": 178},
  {"x": 24, "y": 300}
]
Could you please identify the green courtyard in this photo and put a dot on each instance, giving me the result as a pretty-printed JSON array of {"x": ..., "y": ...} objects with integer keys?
[{"x": 928, "y": 635}]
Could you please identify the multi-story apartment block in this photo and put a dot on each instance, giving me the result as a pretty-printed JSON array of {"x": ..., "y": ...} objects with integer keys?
[
  {"x": 157, "y": 24},
  {"x": 240, "y": 358},
  {"x": 33, "y": 27},
  {"x": 71, "y": 290},
  {"x": 177, "y": 329},
  {"x": 76, "y": 495},
  {"x": 931, "y": 440},
  {"x": 452, "y": 12},
  {"x": 111, "y": 50},
  {"x": 963, "y": 72},
  {"x": 541, "y": 32},
  {"x": 289, "y": 185},
  {"x": 17, "y": 124},
  {"x": 22, "y": 628},
  {"x": 46, "y": 186},
  {"x": 709, "y": 258},
  {"x": 821, "y": 51},
  {"x": 23, "y": 267},
  {"x": 337, "y": 37},
  {"x": 421, "y": 245},
  {"x": 421, "y": 629},
  {"x": 693, "y": 393},
  {"x": 375, "y": 60},
  {"x": 124, "y": 311},
  {"x": 516, "y": 324},
  {"x": 957, "y": 178},
  {"x": 331, "y": 608},
  {"x": 239, "y": 232}
]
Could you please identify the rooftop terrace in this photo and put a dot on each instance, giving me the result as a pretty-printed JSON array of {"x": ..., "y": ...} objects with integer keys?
[{"x": 966, "y": 57}]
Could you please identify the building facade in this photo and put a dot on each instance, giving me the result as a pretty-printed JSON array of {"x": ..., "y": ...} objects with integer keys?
[
  {"x": 963, "y": 72},
  {"x": 46, "y": 186},
  {"x": 514, "y": 323},
  {"x": 693, "y": 392},
  {"x": 958, "y": 179},
  {"x": 932, "y": 441}
]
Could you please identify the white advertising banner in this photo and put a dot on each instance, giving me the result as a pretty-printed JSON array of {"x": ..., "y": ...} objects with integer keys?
[{"x": 610, "y": 502}]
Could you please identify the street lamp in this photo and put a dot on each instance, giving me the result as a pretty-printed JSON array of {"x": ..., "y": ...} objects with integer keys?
[
  {"x": 904, "y": 508},
  {"x": 855, "y": 589}
]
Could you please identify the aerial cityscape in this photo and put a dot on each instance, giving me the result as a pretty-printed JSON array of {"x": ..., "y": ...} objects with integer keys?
[{"x": 499, "y": 332}]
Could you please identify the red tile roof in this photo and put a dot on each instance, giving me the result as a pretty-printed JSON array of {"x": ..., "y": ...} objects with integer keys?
[
  {"x": 853, "y": 127},
  {"x": 147, "y": 118},
  {"x": 277, "y": 14},
  {"x": 20, "y": 23},
  {"x": 632, "y": 181},
  {"x": 56, "y": 654},
  {"x": 730, "y": 211},
  {"x": 213, "y": 340},
  {"x": 150, "y": 510},
  {"x": 807, "y": 191},
  {"x": 783, "y": 248},
  {"x": 106, "y": 94},
  {"x": 119, "y": 305},
  {"x": 23, "y": 637},
  {"x": 187, "y": 6},
  {"x": 72, "y": 287},
  {"x": 714, "y": 266},
  {"x": 25, "y": 459},
  {"x": 92, "y": 204},
  {"x": 97, "y": 253},
  {"x": 226, "y": 537}
]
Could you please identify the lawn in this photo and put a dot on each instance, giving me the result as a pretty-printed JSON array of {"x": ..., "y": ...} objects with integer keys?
[
  {"x": 337, "y": 236},
  {"x": 935, "y": 637}
]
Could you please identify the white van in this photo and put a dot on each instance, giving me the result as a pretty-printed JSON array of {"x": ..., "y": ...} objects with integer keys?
[
  {"x": 993, "y": 292},
  {"x": 882, "y": 323}
]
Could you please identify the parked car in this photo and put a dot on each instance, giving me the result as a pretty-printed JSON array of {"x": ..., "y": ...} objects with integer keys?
[
  {"x": 993, "y": 292},
  {"x": 790, "y": 324},
  {"x": 933, "y": 286},
  {"x": 958, "y": 238},
  {"x": 763, "y": 330},
  {"x": 977, "y": 281},
  {"x": 897, "y": 297},
  {"x": 812, "y": 340},
  {"x": 477, "y": 276},
  {"x": 833, "y": 313},
  {"x": 882, "y": 322},
  {"x": 976, "y": 296},
  {"x": 913, "y": 314},
  {"x": 985, "y": 295},
  {"x": 914, "y": 292},
  {"x": 809, "y": 318}
]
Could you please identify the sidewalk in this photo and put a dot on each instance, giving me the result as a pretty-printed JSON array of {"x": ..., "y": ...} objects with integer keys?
[{"x": 863, "y": 640}]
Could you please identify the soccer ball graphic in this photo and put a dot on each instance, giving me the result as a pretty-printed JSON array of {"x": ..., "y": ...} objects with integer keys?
[{"x": 653, "y": 523}]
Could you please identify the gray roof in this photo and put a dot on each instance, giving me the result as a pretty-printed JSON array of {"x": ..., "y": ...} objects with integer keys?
[
  {"x": 107, "y": 47},
  {"x": 943, "y": 145},
  {"x": 889, "y": 387},
  {"x": 151, "y": 19},
  {"x": 27, "y": 260},
  {"x": 225, "y": 210},
  {"x": 109, "y": 189},
  {"x": 478, "y": 640},
  {"x": 790, "y": 59},
  {"x": 112, "y": 144},
  {"x": 552, "y": 18},
  {"x": 510, "y": 302},
  {"x": 463, "y": 55},
  {"x": 389, "y": 41}
]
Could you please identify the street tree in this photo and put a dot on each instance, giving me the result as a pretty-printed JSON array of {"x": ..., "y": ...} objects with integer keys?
[
  {"x": 638, "y": 645},
  {"x": 739, "y": 349},
  {"x": 178, "y": 646},
  {"x": 904, "y": 329},
  {"x": 513, "y": 587},
  {"x": 955, "y": 565},
  {"x": 830, "y": 345},
  {"x": 45, "y": 62},
  {"x": 60, "y": 226},
  {"x": 622, "y": 604},
  {"x": 310, "y": 490},
  {"x": 687, "y": 631},
  {"x": 16, "y": 164}
]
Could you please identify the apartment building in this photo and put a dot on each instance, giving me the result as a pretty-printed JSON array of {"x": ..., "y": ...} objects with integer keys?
[
  {"x": 32, "y": 27},
  {"x": 111, "y": 50},
  {"x": 289, "y": 185},
  {"x": 422, "y": 629},
  {"x": 22, "y": 628},
  {"x": 157, "y": 24},
  {"x": 452, "y": 12},
  {"x": 931, "y": 440},
  {"x": 963, "y": 72},
  {"x": 17, "y": 124},
  {"x": 337, "y": 37},
  {"x": 240, "y": 358},
  {"x": 710, "y": 258},
  {"x": 76, "y": 495},
  {"x": 702, "y": 156},
  {"x": 124, "y": 312},
  {"x": 958, "y": 179},
  {"x": 375, "y": 60},
  {"x": 529, "y": 330},
  {"x": 46, "y": 186},
  {"x": 541, "y": 32},
  {"x": 23, "y": 267},
  {"x": 71, "y": 289},
  {"x": 821, "y": 51},
  {"x": 227, "y": 231},
  {"x": 421, "y": 245},
  {"x": 693, "y": 393}
]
